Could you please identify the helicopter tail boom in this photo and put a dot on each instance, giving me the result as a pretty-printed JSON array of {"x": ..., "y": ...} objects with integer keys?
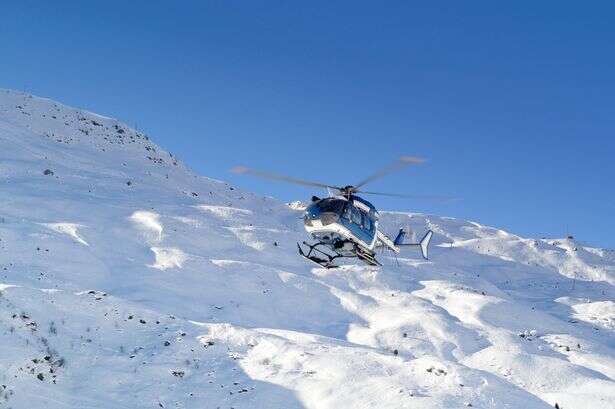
[{"x": 385, "y": 241}]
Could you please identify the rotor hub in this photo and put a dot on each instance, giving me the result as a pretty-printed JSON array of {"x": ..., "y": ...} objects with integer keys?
[{"x": 348, "y": 190}]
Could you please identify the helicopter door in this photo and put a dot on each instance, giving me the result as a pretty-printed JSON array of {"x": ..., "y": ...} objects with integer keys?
[{"x": 358, "y": 225}]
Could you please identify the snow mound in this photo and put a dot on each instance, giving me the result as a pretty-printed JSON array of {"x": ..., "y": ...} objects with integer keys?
[
  {"x": 69, "y": 229},
  {"x": 129, "y": 281},
  {"x": 149, "y": 222},
  {"x": 168, "y": 258}
]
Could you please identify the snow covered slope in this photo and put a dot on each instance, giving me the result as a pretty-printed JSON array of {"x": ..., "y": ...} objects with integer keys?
[{"x": 127, "y": 281}]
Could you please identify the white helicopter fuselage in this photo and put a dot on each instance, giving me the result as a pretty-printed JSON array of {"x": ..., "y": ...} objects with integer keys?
[{"x": 343, "y": 223}]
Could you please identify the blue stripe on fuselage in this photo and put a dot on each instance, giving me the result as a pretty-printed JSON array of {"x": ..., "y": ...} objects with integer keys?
[{"x": 361, "y": 234}]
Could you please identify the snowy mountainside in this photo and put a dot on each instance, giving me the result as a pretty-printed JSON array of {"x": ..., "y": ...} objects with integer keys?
[{"x": 128, "y": 281}]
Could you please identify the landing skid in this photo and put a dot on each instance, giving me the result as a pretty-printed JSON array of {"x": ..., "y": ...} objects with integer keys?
[
  {"x": 324, "y": 259},
  {"x": 315, "y": 255}
]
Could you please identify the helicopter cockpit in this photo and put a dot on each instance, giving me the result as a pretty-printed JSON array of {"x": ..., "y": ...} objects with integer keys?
[
  {"x": 327, "y": 211},
  {"x": 358, "y": 213}
]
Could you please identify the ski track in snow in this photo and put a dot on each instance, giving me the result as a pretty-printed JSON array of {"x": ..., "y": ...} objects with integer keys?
[
  {"x": 190, "y": 293},
  {"x": 248, "y": 236},
  {"x": 224, "y": 212}
]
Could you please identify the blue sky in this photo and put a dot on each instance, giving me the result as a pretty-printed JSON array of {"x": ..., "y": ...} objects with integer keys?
[{"x": 513, "y": 104}]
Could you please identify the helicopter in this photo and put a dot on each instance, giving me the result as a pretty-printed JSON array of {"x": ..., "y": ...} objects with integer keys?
[{"x": 344, "y": 225}]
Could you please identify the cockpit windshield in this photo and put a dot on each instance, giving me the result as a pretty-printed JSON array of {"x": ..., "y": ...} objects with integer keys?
[{"x": 331, "y": 205}]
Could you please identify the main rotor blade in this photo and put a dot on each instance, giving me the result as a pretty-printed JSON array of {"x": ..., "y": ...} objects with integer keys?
[
  {"x": 268, "y": 175},
  {"x": 442, "y": 199},
  {"x": 393, "y": 167}
]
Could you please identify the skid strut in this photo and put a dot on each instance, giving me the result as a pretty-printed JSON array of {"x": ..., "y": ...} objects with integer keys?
[{"x": 367, "y": 257}]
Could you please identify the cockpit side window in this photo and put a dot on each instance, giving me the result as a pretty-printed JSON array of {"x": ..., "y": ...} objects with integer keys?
[
  {"x": 347, "y": 214},
  {"x": 367, "y": 223},
  {"x": 356, "y": 216}
]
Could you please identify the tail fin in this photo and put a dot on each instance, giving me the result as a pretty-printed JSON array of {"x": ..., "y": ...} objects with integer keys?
[
  {"x": 424, "y": 243},
  {"x": 400, "y": 237}
]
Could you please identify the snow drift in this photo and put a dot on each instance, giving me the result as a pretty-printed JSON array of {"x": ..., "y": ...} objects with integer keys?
[{"x": 128, "y": 281}]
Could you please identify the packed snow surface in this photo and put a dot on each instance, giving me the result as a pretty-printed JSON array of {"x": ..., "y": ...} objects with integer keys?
[{"x": 128, "y": 281}]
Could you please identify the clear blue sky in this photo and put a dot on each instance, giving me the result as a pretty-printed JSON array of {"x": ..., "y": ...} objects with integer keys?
[{"x": 512, "y": 103}]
